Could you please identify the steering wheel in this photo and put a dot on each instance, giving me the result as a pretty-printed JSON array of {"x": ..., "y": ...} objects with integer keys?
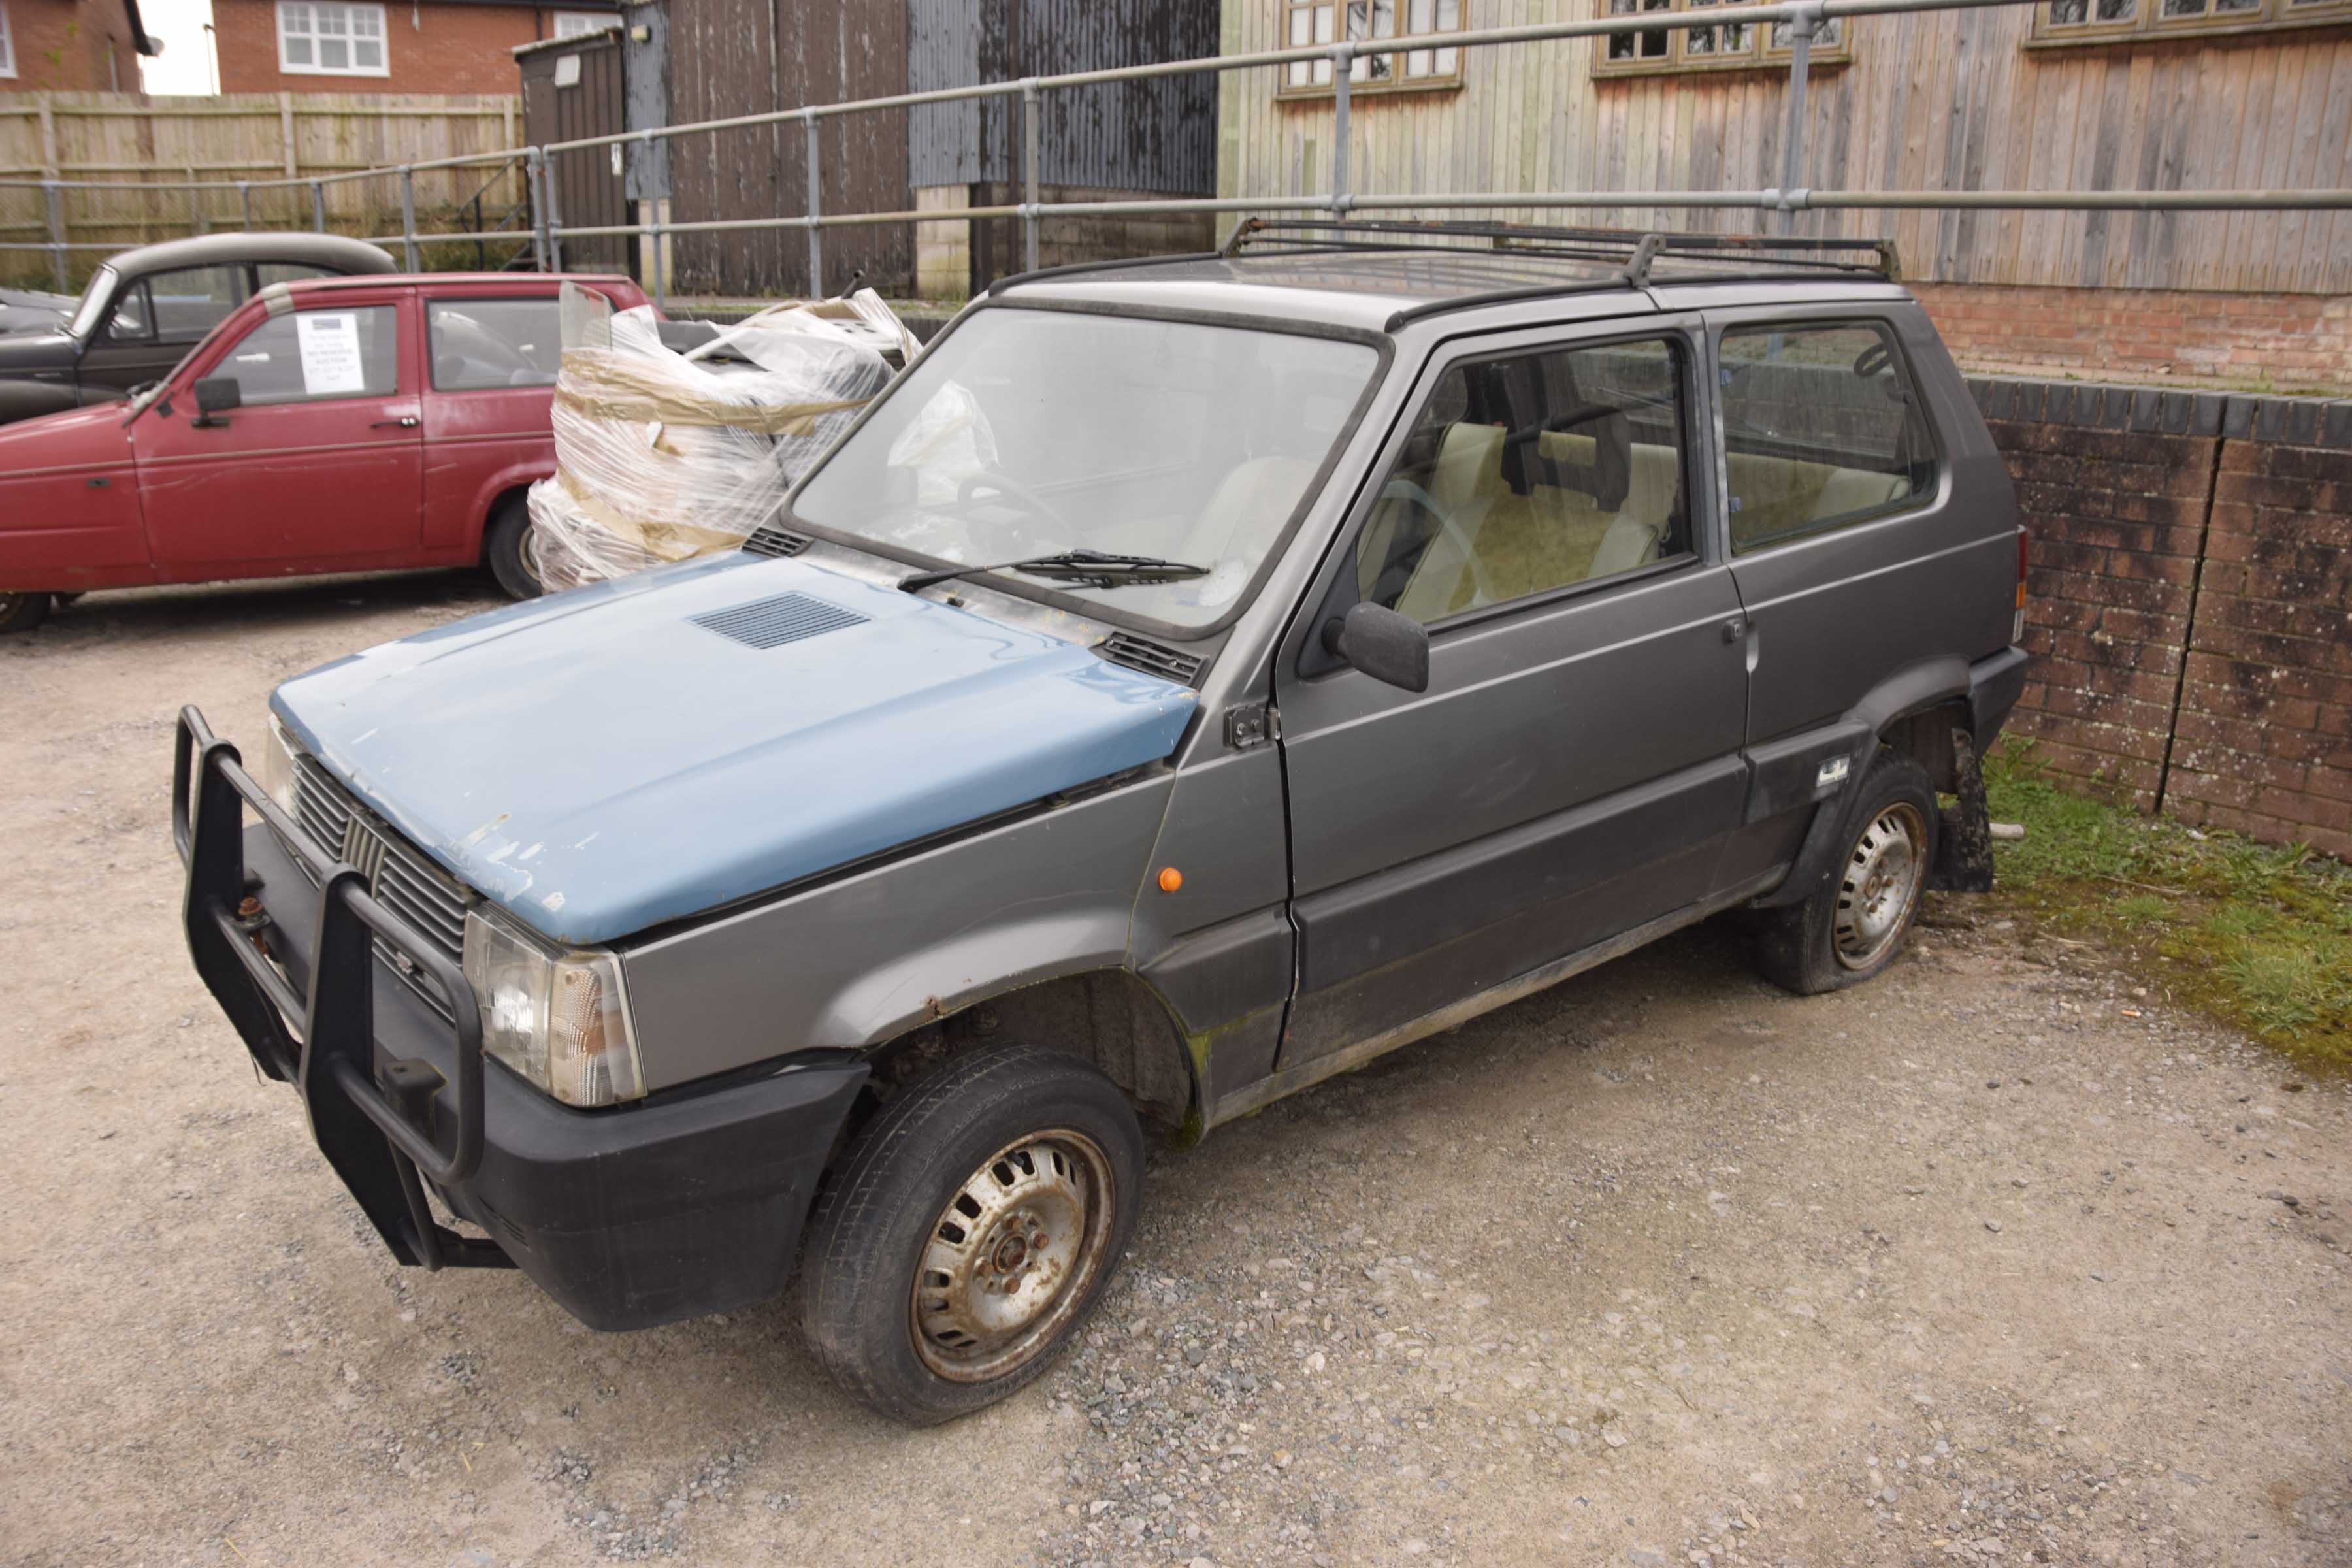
[
  {"x": 1406, "y": 491},
  {"x": 1012, "y": 489}
]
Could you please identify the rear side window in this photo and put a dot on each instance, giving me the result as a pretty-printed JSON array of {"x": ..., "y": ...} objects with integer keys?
[
  {"x": 479, "y": 343},
  {"x": 191, "y": 301},
  {"x": 1531, "y": 474},
  {"x": 1822, "y": 427},
  {"x": 314, "y": 357}
]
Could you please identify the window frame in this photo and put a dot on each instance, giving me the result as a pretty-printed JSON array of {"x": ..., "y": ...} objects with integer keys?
[
  {"x": 1760, "y": 54},
  {"x": 223, "y": 361},
  {"x": 8, "y": 46},
  {"x": 382, "y": 39},
  {"x": 1706, "y": 544},
  {"x": 1449, "y": 80},
  {"x": 2149, "y": 24},
  {"x": 433, "y": 301},
  {"x": 1939, "y": 451},
  {"x": 597, "y": 22}
]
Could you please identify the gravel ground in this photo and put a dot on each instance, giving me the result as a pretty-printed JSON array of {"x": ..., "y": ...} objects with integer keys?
[{"x": 1993, "y": 1261}]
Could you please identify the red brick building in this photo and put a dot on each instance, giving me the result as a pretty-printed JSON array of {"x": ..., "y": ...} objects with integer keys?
[
  {"x": 71, "y": 45},
  {"x": 383, "y": 46}
]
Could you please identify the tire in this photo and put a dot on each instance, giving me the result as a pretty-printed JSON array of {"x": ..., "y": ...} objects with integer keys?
[
  {"x": 505, "y": 549},
  {"x": 1011, "y": 1158},
  {"x": 23, "y": 611},
  {"x": 1854, "y": 925}
]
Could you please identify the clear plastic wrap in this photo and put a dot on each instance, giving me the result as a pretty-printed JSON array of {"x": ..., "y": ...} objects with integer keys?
[{"x": 661, "y": 455}]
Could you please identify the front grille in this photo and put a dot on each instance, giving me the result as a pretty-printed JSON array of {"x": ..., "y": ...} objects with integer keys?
[{"x": 400, "y": 876}]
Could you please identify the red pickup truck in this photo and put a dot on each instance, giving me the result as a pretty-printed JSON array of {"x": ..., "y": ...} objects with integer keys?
[{"x": 335, "y": 424}]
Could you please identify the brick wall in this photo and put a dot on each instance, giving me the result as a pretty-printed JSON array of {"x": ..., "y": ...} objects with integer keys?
[
  {"x": 2285, "y": 343},
  {"x": 2188, "y": 600},
  {"x": 2263, "y": 743},
  {"x": 70, "y": 45},
  {"x": 453, "y": 48}
]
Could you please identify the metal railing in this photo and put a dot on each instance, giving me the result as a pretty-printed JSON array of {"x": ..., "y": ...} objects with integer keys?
[{"x": 1804, "y": 18}]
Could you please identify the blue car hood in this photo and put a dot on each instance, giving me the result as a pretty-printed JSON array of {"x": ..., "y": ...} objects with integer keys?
[{"x": 601, "y": 760}]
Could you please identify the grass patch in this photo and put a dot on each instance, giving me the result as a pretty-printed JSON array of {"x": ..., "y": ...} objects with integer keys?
[{"x": 2256, "y": 934}]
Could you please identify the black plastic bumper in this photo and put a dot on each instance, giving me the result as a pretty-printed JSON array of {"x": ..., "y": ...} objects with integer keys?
[{"x": 684, "y": 1203}]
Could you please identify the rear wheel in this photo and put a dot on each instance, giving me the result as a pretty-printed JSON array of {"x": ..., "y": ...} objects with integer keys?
[
  {"x": 1854, "y": 924},
  {"x": 23, "y": 611},
  {"x": 505, "y": 549},
  {"x": 971, "y": 1231}
]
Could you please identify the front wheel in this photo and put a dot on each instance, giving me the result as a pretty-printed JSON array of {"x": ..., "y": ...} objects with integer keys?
[
  {"x": 22, "y": 612},
  {"x": 1853, "y": 925},
  {"x": 971, "y": 1232},
  {"x": 505, "y": 549}
]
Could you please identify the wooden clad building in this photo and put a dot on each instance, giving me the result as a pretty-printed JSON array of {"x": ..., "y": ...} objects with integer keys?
[{"x": 2067, "y": 94}]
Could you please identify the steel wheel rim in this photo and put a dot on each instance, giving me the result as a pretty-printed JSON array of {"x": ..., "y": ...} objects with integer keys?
[
  {"x": 1012, "y": 1255},
  {"x": 10, "y": 604},
  {"x": 1880, "y": 886}
]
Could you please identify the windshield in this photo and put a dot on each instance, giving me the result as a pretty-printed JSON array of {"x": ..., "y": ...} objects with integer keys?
[
  {"x": 94, "y": 301},
  {"x": 1027, "y": 433}
]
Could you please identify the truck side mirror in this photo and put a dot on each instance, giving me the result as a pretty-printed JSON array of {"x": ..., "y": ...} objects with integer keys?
[
  {"x": 1384, "y": 644},
  {"x": 216, "y": 395}
]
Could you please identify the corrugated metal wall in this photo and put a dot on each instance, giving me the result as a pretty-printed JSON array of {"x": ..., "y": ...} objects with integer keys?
[
  {"x": 1940, "y": 100},
  {"x": 732, "y": 58},
  {"x": 588, "y": 193},
  {"x": 1157, "y": 136}
]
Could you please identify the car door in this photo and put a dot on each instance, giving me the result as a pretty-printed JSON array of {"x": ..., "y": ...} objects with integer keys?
[
  {"x": 1572, "y": 771},
  {"x": 318, "y": 470},
  {"x": 1865, "y": 589},
  {"x": 156, "y": 319},
  {"x": 490, "y": 366}
]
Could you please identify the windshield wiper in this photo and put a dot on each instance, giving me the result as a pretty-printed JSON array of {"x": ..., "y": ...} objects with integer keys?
[{"x": 1089, "y": 568}]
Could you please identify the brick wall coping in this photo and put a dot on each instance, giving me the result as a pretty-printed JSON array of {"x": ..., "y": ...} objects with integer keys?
[{"x": 2241, "y": 416}]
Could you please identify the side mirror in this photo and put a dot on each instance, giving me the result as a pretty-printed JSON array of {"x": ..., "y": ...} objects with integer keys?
[
  {"x": 1384, "y": 644},
  {"x": 216, "y": 395}
]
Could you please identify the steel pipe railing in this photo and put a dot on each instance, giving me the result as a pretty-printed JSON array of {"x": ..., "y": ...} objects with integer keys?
[{"x": 1804, "y": 18}]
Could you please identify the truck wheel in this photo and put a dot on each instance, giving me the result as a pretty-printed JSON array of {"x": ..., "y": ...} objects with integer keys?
[
  {"x": 971, "y": 1231},
  {"x": 1853, "y": 926},
  {"x": 23, "y": 611},
  {"x": 505, "y": 549}
]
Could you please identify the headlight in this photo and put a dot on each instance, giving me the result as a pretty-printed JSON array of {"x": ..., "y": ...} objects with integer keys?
[
  {"x": 560, "y": 1019},
  {"x": 275, "y": 769}
]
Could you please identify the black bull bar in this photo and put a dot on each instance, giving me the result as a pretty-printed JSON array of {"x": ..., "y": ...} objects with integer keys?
[{"x": 376, "y": 1124}]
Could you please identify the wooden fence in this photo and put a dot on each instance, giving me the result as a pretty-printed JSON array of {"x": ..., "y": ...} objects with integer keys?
[{"x": 124, "y": 163}]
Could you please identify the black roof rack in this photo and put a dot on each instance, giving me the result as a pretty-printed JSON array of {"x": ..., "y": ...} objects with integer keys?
[{"x": 1635, "y": 248}]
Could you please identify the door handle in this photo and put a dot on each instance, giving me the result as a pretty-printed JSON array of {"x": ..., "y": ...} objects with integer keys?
[
  {"x": 405, "y": 422},
  {"x": 1732, "y": 628}
]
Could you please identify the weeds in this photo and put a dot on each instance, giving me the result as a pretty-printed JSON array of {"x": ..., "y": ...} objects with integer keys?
[{"x": 2259, "y": 935}]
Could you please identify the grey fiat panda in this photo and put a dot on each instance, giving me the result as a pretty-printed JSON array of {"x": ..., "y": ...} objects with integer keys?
[{"x": 1189, "y": 680}]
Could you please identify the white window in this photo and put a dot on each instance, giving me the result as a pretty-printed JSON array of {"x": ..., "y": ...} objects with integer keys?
[
  {"x": 572, "y": 24},
  {"x": 1313, "y": 22},
  {"x": 8, "y": 46},
  {"x": 323, "y": 37}
]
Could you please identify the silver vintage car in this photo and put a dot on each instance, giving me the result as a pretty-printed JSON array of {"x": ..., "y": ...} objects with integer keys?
[{"x": 1189, "y": 680}]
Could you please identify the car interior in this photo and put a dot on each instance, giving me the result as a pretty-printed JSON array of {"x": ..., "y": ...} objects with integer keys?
[{"x": 1531, "y": 474}]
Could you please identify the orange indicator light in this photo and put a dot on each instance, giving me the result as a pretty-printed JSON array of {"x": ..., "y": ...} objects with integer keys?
[{"x": 1170, "y": 879}]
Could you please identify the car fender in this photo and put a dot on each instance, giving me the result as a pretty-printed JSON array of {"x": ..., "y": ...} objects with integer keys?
[
  {"x": 1856, "y": 735},
  {"x": 520, "y": 473},
  {"x": 859, "y": 957}
]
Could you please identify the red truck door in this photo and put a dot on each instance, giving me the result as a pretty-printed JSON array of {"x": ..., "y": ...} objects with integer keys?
[{"x": 320, "y": 469}]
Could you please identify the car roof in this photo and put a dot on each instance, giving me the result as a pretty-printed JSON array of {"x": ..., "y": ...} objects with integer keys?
[
  {"x": 202, "y": 249},
  {"x": 524, "y": 282},
  {"x": 1376, "y": 276}
]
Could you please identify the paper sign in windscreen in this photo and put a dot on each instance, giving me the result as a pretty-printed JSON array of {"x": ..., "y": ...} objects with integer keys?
[{"x": 330, "y": 352}]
